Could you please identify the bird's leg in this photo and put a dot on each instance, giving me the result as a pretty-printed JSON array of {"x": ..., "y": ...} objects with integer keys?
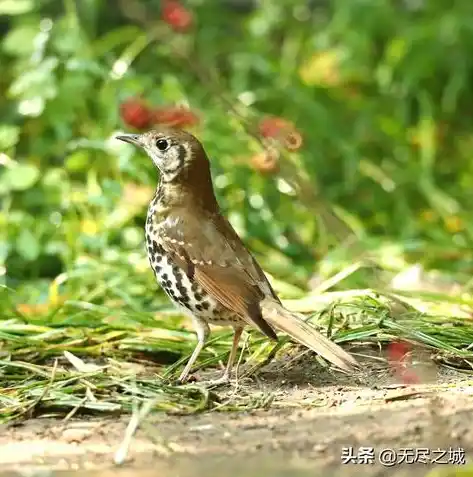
[
  {"x": 225, "y": 378},
  {"x": 237, "y": 331},
  {"x": 202, "y": 330}
]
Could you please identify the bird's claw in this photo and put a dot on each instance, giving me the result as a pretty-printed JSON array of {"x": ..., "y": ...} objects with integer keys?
[{"x": 211, "y": 383}]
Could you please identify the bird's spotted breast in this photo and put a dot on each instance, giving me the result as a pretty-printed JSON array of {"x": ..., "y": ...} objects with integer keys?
[{"x": 183, "y": 292}]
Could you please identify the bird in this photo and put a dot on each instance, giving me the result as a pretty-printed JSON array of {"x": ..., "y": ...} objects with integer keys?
[{"x": 202, "y": 264}]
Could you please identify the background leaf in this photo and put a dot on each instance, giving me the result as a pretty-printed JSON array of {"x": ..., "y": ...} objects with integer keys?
[{"x": 20, "y": 176}]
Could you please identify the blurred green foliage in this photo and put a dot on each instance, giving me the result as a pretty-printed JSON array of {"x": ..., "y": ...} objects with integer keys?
[{"x": 380, "y": 91}]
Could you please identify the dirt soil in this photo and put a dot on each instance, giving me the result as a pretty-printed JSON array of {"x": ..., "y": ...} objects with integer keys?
[{"x": 313, "y": 415}]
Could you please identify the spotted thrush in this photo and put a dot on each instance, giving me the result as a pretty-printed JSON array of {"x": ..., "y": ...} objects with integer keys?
[{"x": 202, "y": 264}]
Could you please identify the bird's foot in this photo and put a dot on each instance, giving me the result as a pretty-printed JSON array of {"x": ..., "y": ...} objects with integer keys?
[
  {"x": 210, "y": 383},
  {"x": 222, "y": 380},
  {"x": 181, "y": 381}
]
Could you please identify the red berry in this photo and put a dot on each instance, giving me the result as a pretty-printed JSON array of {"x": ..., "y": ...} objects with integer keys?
[
  {"x": 397, "y": 351},
  {"x": 176, "y": 16},
  {"x": 281, "y": 129},
  {"x": 400, "y": 363},
  {"x": 272, "y": 127},
  {"x": 293, "y": 141},
  {"x": 266, "y": 162},
  {"x": 135, "y": 113},
  {"x": 408, "y": 376},
  {"x": 175, "y": 116}
]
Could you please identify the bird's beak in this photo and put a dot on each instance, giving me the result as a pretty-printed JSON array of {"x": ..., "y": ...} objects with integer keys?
[{"x": 134, "y": 139}]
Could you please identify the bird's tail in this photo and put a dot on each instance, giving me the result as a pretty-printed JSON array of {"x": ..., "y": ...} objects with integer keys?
[{"x": 290, "y": 323}]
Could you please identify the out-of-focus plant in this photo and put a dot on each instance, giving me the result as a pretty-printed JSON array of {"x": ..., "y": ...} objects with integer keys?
[{"x": 357, "y": 109}]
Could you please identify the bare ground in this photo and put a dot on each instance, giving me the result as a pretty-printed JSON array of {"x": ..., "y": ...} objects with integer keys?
[{"x": 313, "y": 414}]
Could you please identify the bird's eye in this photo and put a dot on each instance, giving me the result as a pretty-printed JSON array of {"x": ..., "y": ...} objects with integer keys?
[{"x": 162, "y": 144}]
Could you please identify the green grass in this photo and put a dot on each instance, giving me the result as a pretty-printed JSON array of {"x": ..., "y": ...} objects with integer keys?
[{"x": 80, "y": 356}]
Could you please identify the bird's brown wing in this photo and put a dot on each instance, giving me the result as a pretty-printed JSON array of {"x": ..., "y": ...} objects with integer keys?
[
  {"x": 218, "y": 261},
  {"x": 248, "y": 261}
]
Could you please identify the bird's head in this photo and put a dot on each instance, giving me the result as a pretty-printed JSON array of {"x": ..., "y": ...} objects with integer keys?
[{"x": 177, "y": 154}]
